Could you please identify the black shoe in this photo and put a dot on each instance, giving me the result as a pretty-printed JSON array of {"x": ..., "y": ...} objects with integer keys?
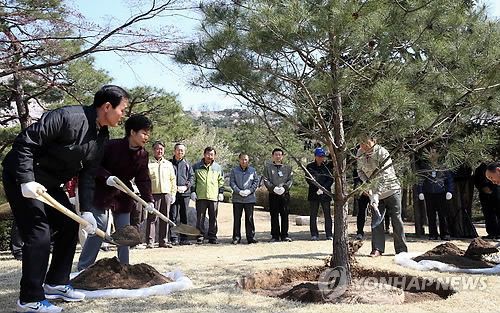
[
  {"x": 18, "y": 256},
  {"x": 250, "y": 241},
  {"x": 199, "y": 241},
  {"x": 446, "y": 238},
  {"x": 433, "y": 237},
  {"x": 274, "y": 240},
  {"x": 488, "y": 237},
  {"x": 286, "y": 239},
  {"x": 213, "y": 242},
  {"x": 185, "y": 243},
  {"x": 175, "y": 243},
  {"x": 235, "y": 241}
]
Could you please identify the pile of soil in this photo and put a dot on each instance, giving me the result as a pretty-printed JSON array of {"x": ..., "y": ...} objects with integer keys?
[
  {"x": 110, "y": 274},
  {"x": 451, "y": 254}
]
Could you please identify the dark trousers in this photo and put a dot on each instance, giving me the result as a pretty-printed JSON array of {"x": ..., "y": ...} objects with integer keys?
[
  {"x": 435, "y": 203},
  {"x": 35, "y": 220},
  {"x": 201, "y": 212},
  {"x": 313, "y": 226},
  {"x": 162, "y": 204},
  {"x": 392, "y": 206},
  {"x": 278, "y": 206},
  {"x": 238, "y": 209},
  {"x": 178, "y": 213},
  {"x": 361, "y": 218},
  {"x": 491, "y": 211},
  {"x": 16, "y": 243}
]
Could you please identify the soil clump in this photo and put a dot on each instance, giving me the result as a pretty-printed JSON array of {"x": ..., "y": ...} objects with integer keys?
[{"x": 108, "y": 273}]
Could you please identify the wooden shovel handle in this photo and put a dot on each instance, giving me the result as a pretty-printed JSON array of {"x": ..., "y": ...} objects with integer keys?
[
  {"x": 141, "y": 201},
  {"x": 61, "y": 208}
]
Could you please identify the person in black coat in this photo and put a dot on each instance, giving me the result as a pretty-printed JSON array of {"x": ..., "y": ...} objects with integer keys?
[
  {"x": 65, "y": 142},
  {"x": 489, "y": 197},
  {"x": 323, "y": 174}
]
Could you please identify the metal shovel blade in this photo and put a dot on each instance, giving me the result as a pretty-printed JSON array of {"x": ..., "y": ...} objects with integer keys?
[
  {"x": 377, "y": 218},
  {"x": 186, "y": 230}
]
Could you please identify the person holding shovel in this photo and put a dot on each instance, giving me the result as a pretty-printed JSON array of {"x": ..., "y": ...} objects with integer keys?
[
  {"x": 65, "y": 142},
  {"x": 375, "y": 167},
  {"x": 124, "y": 158}
]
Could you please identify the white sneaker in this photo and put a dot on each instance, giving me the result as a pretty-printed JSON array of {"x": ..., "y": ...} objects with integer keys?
[
  {"x": 42, "y": 306},
  {"x": 359, "y": 236},
  {"x": 65, "y": 292}
]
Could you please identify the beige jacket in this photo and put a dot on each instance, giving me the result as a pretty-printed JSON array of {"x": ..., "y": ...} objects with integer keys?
[
  {"x": 386, "y": 182},
  {"x": 162, "y": 175}
]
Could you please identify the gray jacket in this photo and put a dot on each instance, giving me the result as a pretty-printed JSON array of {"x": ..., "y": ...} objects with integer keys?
[
  {"x": 278, "y": 175},
  {"x": 241, "y": 180}
]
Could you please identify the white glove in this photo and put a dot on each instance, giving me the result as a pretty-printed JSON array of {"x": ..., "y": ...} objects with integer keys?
[
  {"x": 279, "y": 190},
  {"x": 111, "y": 182},
  {"x": 243, "y": 193},
  {"x": 172, "y": 201},
  {"x": 150, "y": 207},
  {"x": 319, "y": 192},
  {"x": 221, "y": 197},
  {"x": 193, "y": 196},
  {"x": 72, "y": 200},
  {"x": 181, "y": 189},
  {"x": 421, "y": 196},
  {"x": 374, "y": 200},
  {"x": 29, "y": 190},
  {"x": 449, "y": 195},
  {"x": 247, "y": 192},
  {"x": 92, "y": 223}
]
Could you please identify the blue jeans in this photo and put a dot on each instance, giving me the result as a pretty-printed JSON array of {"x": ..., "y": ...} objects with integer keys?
[{"x": 93, "y": 242}]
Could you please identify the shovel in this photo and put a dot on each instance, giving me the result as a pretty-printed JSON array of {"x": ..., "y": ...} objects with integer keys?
[
  {"x": 61, "y": 208},
  {"x": 181, "y": 228},
  {"x": 377, "y": 218}
]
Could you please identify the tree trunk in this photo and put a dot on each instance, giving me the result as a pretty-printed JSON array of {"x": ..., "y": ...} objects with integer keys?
[{"x": 22, "y": 107}]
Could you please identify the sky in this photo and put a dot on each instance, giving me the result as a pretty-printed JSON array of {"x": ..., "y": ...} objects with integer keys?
[{"x": 162, "y": 72}]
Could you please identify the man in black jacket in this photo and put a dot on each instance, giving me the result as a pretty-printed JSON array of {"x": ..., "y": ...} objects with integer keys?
[
  {"x": 65, "y": 142},
  {"x": 185, "y": 178},
  {"x": 323, "y": 175}
]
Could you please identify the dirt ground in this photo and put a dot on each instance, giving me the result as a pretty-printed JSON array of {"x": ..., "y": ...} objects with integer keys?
[{"x": 216, "y": 269}]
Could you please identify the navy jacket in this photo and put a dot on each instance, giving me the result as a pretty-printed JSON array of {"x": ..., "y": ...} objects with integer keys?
[
  {"x": 323, "y": 174},
  {"x": 435, "y": 180}
]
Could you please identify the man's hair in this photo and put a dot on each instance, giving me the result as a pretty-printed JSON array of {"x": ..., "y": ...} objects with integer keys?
[
  {"x": 242, "y": 154},
  {"x": 179, "y": 144},
  {"x": 136, "y": 123},
  {"x": 209, "y": 149},
  {"x": 158, "y": 142},
  {"x": 492, "y": 166},
  {"x": 110, "y": 93},
  {"x": 276, "y": 150}
]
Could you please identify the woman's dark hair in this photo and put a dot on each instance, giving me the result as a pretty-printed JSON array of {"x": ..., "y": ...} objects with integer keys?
[
  {"x": 110, "y": 93},
  {"x": 136, "y": 123}
]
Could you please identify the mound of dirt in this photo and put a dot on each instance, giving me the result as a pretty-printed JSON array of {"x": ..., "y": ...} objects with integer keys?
[
  {"x": 451, "y": 254},
  {"x": 110, "y": 274},
  {"x": 479, "y": 247}
]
